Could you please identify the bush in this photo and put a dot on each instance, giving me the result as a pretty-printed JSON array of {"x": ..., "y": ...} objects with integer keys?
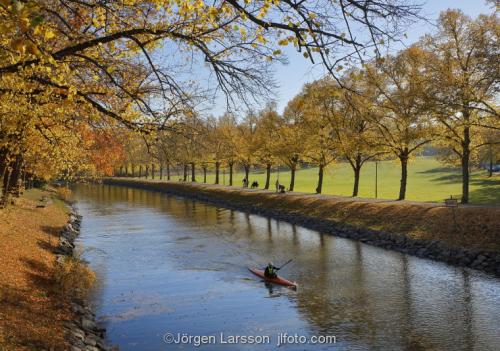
[
  {"x": 65, "y": 193},
  {"x": 74, "y": 276}
]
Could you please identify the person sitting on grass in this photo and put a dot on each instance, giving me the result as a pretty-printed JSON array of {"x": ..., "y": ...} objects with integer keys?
[{"x": 270, "y": 271}]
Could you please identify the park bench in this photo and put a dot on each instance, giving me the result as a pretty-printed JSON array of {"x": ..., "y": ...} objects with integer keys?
[{"x": 451, "y": 202}]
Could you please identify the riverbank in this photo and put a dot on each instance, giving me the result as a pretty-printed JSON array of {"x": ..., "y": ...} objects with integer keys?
[
  {"x": 42, "y": 284},
  {"x": 465, "y": 236},
  {"x": 32, "y": 309}
]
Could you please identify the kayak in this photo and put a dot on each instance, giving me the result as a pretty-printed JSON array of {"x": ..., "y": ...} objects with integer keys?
[{"x": 277, "y": 280}]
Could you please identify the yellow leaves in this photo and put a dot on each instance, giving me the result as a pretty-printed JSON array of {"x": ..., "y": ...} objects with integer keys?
[
  {"x": 213, "y": 11},
  {"x": 283, "y": 42},
  {"x": 24, "y": 23},
  {"x": 49, "y": 34},
  {"x": 99, "y": 18},
  {"x": 33, "y": 49},
  {"x": 243, "y": 33},
  {"x": 18, "y": 45}
]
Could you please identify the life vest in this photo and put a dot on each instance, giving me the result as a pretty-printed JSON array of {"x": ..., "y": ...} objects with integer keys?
[{"x": 270, "y": 271}]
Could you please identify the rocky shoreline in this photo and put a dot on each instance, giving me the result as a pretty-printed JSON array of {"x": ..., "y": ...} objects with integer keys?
[
  {"x": 485, "y": 261},
  {"x": 83, "y": 333}
]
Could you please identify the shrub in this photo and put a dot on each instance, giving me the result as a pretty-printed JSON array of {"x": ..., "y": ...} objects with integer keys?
[
  {"x": 74, "y": 276},
  {"x": 65, "y": 193}
]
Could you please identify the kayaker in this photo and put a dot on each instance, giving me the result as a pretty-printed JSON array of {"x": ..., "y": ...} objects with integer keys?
[{"x": 270, "y": 271}]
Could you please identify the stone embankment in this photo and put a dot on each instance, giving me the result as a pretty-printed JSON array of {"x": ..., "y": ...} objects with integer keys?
[
  {"x": 83, "y": 333},
  {"x": 296, "y": 210}
]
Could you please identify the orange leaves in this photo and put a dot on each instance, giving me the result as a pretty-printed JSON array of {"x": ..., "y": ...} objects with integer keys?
[
  {"x": 31, "y": 309},
  {"x": 105, "y": 151}
]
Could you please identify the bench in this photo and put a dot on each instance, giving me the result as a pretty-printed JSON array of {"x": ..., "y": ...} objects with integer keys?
[{"x": 451, "y": 202}]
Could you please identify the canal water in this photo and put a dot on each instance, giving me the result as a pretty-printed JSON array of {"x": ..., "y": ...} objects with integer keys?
[{"x": 170, "y": 268}]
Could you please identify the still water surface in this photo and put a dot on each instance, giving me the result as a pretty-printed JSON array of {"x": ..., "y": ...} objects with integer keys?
[{"x": 173, "y": 265}]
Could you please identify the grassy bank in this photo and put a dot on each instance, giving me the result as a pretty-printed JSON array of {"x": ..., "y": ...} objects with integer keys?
[
  {"x": 32, "y": 305},
  {"x": 469, "y": 227},
  {"x": 428, "y": 180}
]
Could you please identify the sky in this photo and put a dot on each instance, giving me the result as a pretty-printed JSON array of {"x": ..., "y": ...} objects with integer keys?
[{"x": 298, "y": 71}]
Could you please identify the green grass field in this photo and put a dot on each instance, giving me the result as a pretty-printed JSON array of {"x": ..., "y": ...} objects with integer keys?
[{"x": 428, "y": 180}]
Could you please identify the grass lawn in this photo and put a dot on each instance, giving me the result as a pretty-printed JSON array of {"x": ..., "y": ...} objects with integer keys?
[{"x": 428, "y": 180}]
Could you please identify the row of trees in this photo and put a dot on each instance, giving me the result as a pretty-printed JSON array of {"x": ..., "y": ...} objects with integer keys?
[
  {"x": 76, "y": 76},
  {"x": 442, "y": 91}
]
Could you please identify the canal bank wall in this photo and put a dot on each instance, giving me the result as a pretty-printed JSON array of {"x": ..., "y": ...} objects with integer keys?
[
  {"x": 83, "y": 332},
  {"x": 467, "y": 236}
]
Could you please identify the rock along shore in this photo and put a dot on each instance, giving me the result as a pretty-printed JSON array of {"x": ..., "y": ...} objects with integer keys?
[
  {"x": 83, "y": 333},
  {"x": 486, "y": 261}
]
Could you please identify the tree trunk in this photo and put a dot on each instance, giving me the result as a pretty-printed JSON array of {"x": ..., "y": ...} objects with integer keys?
[
  {"x": 247, "y": 171},
  {"x": 6, "y": 184},
  {"x": 147, "y": 171},
  {"x": 25, "y": 175},
  {"x": 140, "y": 171},
  {"x": 293, "y": 168},
  {"x": 204, "y": 174},
  {"x": 217, "y": 171},
  {"x": 132, "y": 166},
  {"x": 185, "y": 172},
  {"x": 152, "y": 171},
  {"x": 320, "y": 179},
  {"x": 17, "y": 182},
  {"x": 231, "y": 173},
  {"x": 357, "y": 171},
  {"x": 403, "y": 158},
  {"x": 168, "y": 170},
  {"x": 465, "y": 159},
  {"x": 490, "y": 170},
  {"x": 161, "y": 171},
  {"x": 11, "y": 176},
  {"x": 193, "y": 176},
  {"x": 3, "y": 160},
  {"x": 268, "y": 176},
  {"x": 126, "y": 170},
  {"x": 121, "y": 171}
]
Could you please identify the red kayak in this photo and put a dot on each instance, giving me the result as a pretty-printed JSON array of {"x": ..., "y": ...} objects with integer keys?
[{"x": 277, "y": 280}]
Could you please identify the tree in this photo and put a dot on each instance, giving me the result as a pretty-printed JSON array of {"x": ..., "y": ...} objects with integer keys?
[
  {"x": 247, "y": 142},
  {"x": 315, "y": 112},
  {"x": 353, "y": 126},
  {"x": 288, "y": 147},
  {"x": 229, "y": 134},
  {"x": 403, "y": 122},
  {"x": 462, "y": 83},
  {"x": 268, "y": 122}
]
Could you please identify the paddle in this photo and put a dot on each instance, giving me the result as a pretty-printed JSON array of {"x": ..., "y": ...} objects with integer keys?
[{"x": 287, "y": 262}]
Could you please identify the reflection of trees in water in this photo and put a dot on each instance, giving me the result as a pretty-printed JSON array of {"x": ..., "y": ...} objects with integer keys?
[
  {"x": 250, "y": 229},
  {"x": 354, "y": 313},
  {"x": 347, "y": 317},
  {"x": 468, "y": 312},
  {"x": 269, "y": 229}
]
